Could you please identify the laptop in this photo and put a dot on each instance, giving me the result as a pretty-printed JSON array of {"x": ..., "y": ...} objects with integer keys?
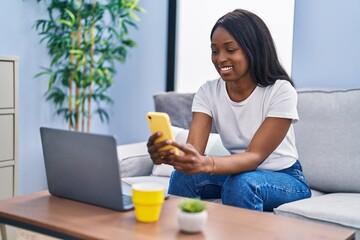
[{"x": 84, "y": 167}]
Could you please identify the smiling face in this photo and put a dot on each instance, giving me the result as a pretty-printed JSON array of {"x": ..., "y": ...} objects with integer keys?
[{"x": 228, "y": 57}]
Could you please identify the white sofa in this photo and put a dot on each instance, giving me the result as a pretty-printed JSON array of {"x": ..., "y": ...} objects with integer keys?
[{"x": 328, "y": 142}]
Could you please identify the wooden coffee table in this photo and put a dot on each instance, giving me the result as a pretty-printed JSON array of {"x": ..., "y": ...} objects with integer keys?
[{"x": 69, "y": 219}]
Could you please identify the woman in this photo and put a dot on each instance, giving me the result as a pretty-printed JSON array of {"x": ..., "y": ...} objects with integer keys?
[{"x": 253, "y": 106}]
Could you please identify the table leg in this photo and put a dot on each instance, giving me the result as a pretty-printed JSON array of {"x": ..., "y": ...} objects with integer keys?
[{"x": 3, "y": 232}]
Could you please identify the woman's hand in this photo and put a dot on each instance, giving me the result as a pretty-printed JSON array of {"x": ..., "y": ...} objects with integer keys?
[
  {"x": 190, "y": 161},
  {"x": 159, "y": 156}
]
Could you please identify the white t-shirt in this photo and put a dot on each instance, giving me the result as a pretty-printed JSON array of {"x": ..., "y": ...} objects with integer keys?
[{"x": 237, "y": 122}]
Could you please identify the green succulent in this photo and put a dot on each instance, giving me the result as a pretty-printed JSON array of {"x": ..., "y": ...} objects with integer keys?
[{"x": 192, "y": 205}]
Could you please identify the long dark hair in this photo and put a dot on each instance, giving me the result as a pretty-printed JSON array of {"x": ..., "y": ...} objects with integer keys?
[{"x": 253, "y": 36}]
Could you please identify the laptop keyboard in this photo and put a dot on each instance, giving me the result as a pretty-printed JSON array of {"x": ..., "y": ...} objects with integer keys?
[{"x": 127, "y": 201}]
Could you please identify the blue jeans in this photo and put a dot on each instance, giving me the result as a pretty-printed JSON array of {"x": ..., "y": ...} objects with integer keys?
[{"x": 259, "y": 190}]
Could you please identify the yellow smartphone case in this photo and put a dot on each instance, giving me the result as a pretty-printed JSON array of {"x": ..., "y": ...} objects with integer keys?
[{"x": 160, "y": 122}]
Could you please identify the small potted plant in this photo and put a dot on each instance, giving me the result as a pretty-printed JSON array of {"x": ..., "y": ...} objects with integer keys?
[{"x": 192, "y": 215}]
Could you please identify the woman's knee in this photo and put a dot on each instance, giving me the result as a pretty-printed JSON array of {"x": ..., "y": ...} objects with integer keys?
[
  {"x": 177, "y": 178},
  {"x": 241, "y": 182},
  {"x": 181, "y": 184},
  {"x": 240, "y": 190}
]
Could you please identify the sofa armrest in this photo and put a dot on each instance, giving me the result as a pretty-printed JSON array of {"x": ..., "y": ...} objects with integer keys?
[{"x": 134, "y": 160}]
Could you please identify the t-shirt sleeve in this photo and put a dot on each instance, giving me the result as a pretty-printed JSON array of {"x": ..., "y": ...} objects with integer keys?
[
  {"x": 201, "y": 102},
  {"x": 283, "y": 103}
]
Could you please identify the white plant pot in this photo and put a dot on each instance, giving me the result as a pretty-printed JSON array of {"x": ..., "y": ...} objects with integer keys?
[{"x": 191, "y": 222}]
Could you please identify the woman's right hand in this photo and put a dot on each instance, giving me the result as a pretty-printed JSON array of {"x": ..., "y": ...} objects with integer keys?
[{"x": 159, "y": 156}]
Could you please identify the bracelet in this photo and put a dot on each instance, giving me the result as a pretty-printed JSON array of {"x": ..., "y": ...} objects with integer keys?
[{"x": 213, "y": 160}]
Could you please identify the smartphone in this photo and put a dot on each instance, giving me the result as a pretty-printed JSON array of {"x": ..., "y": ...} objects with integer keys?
[{"x": 160, "y": 122}]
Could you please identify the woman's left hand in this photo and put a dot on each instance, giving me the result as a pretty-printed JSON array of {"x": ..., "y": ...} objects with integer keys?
[{"x": 189, "y": 160}]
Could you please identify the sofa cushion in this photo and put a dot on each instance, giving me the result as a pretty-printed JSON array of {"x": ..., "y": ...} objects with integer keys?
[
  {"x": 335, "y": 208},
  {"x": 327, "y": 138},
  {"x": 214, "y": 146},
  {"x": 177, "y": 106},
  {"x": 134, "y": 160}
]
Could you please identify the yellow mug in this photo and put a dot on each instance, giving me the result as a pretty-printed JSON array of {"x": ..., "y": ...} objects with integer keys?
[{"x": 148, "y": 199}]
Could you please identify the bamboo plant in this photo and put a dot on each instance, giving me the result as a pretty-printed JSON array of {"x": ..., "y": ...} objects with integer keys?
[{"x": 85, "y": 38}]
